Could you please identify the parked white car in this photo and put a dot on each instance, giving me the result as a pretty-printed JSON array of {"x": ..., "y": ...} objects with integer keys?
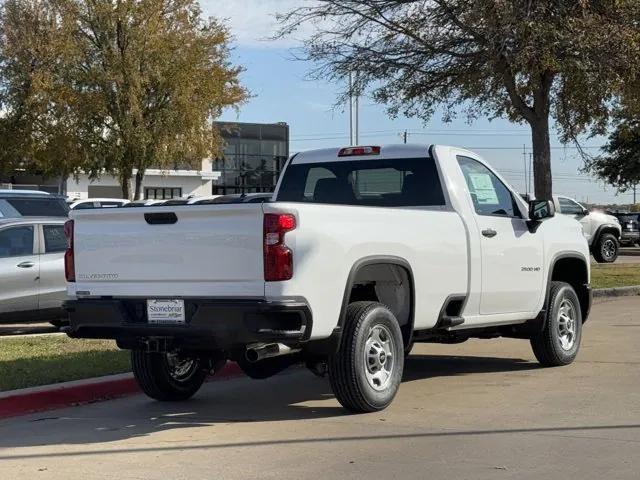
[
  {"x": 362, "y": 252},
  {"x": 203, "y": 199},
  {"x": 32, "y": 269},
  {"x": 98, "y": 203},
  {"x": 601, "y": 230}
]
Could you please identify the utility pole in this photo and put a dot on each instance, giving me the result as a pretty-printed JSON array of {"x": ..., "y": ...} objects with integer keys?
[
  {"x": 350, "y": 110},
  {"x": 404, "y": 137},
  {"x": 531, "y": 172},
  {"x": 634, "y": 193},
  {"x": 357, "y": 121},
  {"x": 526, "y": 179},
  {"x": 354, "y": 126}
]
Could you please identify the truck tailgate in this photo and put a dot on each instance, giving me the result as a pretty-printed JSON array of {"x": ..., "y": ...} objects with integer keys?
[{"x": 208, "y": 251}]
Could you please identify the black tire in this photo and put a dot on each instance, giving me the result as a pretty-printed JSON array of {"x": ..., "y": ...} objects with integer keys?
[
  {"x": 550, "y": 346},
  {"x": 348, "y": 369},
  {"x": 159, "y": 378},
  {"x": 606, "y": 248}
]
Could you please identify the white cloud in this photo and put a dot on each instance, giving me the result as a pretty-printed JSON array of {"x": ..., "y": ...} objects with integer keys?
[{"x": 252, "y": 22}]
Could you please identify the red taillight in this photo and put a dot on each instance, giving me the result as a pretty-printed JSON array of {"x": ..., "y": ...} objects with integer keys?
[
  {"x": 69, "y": 261},
  {"x": 278, "y": 258},
  {"x": 355, "y": 151}
]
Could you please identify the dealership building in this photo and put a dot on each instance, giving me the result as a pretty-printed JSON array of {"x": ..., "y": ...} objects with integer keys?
[{"x": 251, "y": 161}]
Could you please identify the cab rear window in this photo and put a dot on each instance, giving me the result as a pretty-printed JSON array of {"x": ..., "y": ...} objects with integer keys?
[{"x": 383, "y": 183}]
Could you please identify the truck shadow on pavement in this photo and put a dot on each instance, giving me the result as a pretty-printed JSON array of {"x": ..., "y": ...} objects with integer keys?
[{"x": 293, "y": 395}]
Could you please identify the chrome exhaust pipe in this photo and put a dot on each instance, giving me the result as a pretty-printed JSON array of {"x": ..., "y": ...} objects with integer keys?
[{"x": 262, "y": 351}]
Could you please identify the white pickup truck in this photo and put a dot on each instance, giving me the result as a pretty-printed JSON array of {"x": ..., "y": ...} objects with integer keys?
[{"x": 361, "y": 252}]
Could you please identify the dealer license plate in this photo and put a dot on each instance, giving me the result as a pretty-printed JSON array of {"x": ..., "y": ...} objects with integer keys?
[{"x": 165, "y": 311}]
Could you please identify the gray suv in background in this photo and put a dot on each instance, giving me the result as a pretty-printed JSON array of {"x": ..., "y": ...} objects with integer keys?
[
  {"x": 31, "y": 203},
  {"x": 32, "y": 269}
]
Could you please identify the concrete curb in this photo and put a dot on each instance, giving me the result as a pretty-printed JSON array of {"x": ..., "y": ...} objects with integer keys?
[
  {"x": 48, "y": 397},
  {"x": 616, "y": 292}
]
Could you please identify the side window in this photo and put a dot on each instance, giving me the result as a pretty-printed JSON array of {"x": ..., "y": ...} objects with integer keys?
[
  {"x": 569, "y": 207},
  {"x": 489, "y": 195},
  {"x": 16, "y": 241},
  {"x": 54, "y": 239}
]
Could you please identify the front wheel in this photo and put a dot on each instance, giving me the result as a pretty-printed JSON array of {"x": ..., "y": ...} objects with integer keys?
[
  {"x": 366, "y": 371},
  {"x": 171, "y": 376},
  {"x": 558, "y": 343},
  {"x": 606, "y": 248}
]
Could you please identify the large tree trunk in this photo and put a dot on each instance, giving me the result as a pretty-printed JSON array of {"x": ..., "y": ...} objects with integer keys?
[
  {"x": 62, "y": 183},
  {"x": 124, "y": 184},
  {"x": 541, "y": 158},
  {"x": 138, "y": 187}
]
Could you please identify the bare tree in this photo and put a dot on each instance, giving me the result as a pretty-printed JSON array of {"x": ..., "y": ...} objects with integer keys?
[{"x": 529, "y": 61}]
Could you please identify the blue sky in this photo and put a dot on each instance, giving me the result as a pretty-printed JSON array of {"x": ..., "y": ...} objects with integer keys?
[{"x": 281, "y": 93}]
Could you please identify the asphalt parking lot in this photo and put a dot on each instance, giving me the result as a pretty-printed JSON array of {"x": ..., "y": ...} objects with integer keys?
[
  {"x": 479, "y": 410},
  {"x": 628, "y": 255}
]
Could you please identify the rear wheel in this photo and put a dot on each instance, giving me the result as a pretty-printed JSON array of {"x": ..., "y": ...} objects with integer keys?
[
  {"x": 606, "y": 248},
  {"x": 558, "y": 343},
  {"x": 169, "y": 376},
  {"x": 366, "y": 371}
]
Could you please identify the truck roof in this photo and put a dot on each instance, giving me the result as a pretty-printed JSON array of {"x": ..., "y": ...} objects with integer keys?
[{"x": 371, "y": 152}]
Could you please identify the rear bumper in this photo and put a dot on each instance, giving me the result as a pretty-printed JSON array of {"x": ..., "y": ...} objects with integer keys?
[{"x": 210, "y": 324}]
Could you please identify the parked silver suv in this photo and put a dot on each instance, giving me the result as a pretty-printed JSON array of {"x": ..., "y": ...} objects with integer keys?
[
  {"x": 32, "y": 269},
  {"x": 31, "y": 203},
  {"x": 601, "y": 230}
]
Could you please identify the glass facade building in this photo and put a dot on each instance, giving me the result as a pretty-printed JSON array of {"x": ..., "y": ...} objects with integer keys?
[{"x": 253, "y": 157}]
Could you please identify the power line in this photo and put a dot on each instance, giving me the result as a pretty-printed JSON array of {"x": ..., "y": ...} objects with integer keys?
[
  {"x": 425, "y": 132},
  {"x": 374, "y": 134}
]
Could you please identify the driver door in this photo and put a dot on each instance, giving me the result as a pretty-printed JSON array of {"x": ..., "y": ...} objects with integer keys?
[
  {"x": 574, "y": 209},
  {"x": 511, "y": 255},
  {"x": 19, "y": 268}
]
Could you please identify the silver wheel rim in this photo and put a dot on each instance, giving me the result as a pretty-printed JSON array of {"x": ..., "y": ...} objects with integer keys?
[
  {"x": 567, "y": 324},
  {"x": 608, "y": 248},
  {"x": 379, "y": 357},
  {"x": 180, "y": 368}
]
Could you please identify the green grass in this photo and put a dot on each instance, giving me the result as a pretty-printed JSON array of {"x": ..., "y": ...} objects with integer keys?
[
  {"x": 620, "y": 275},
  {"x": 42, "y": 360}
]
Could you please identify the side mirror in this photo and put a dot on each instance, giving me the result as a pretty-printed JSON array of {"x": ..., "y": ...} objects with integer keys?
[
  {"x": 540, "y": 209},
  {"x": 585, "y": 211}
]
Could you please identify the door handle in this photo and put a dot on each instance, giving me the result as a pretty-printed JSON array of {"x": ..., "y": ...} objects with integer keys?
[
  {"x": 26, "y": 265},
  {"x": 489, "y": 232},
  {"x": 161, "y": 218}
]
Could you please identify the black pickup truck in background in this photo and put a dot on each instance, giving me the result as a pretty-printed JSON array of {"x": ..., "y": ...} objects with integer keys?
[{"x": 629, "y": 222}]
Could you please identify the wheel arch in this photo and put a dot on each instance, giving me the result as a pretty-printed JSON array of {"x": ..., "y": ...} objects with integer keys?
[
  {"x": 573, "y": 269},
  {"x": 358, "y": 273},
  {"x": 606, "y": 228}
]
